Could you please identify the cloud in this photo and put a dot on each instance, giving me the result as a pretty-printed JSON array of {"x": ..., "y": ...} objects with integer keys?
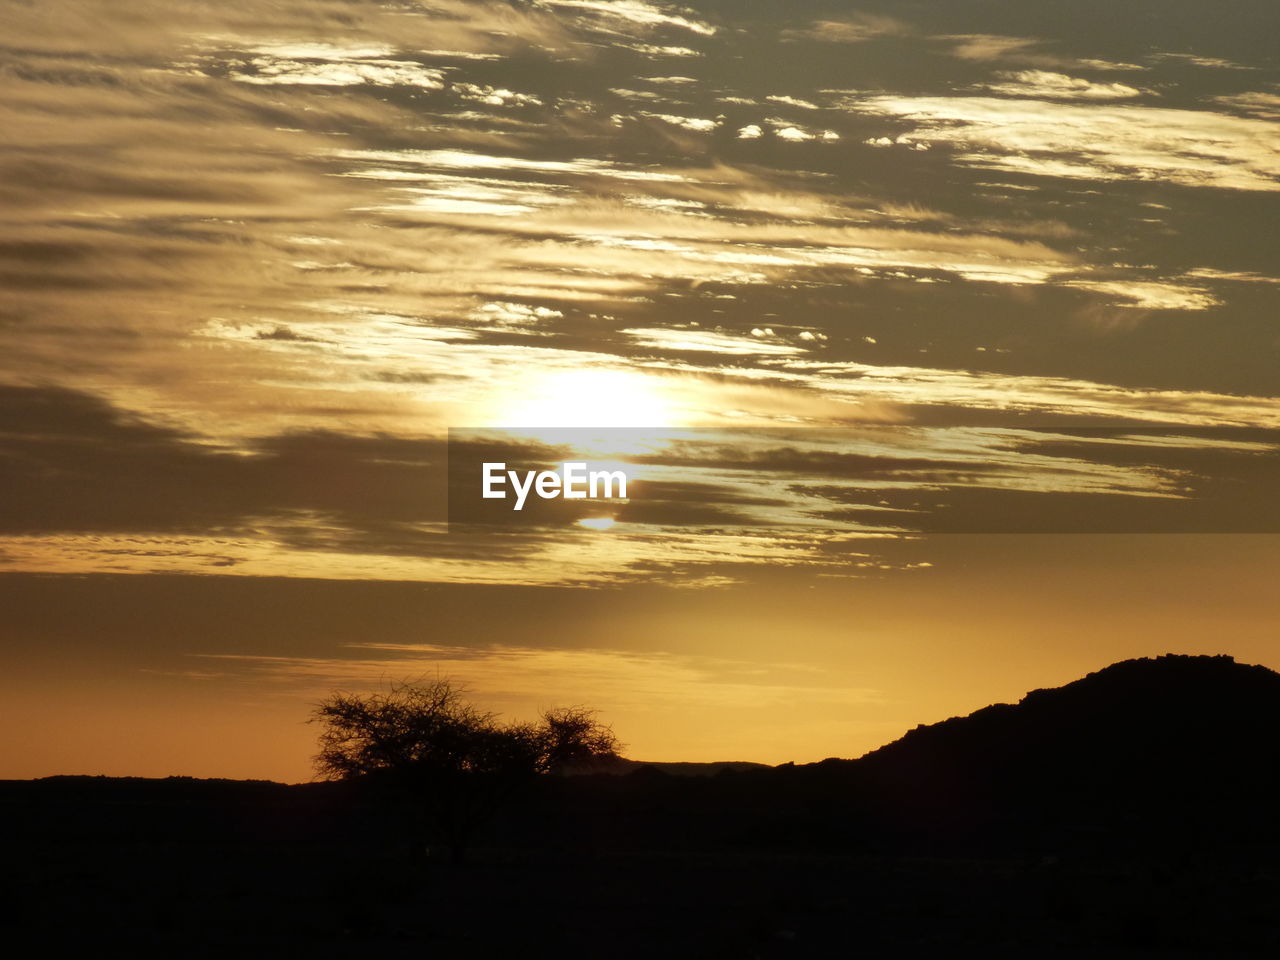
[
  {"x": 1198, "y": 60},
  {"x": 1264, "y": 104},
  {"x": 1194, "y": 148},
  {"x": 74, "y": 463},
  {"x": 1150, "y": 295},
  {"x": 339, "y": 69},
  {"x": 710, "y": 341},
  {"x": 1046, "y": 85},
  {"x": 859, "y": 28},
  {"x": 636, "y": 12},
  {"x": 1029, "y": 51},
  {"x": 623, "y": 679}
]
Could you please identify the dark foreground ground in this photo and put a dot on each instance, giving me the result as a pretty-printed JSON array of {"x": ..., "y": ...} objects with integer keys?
[
  {"x": 1132, "y": 813},
  {"x": 225, "y": 868}
]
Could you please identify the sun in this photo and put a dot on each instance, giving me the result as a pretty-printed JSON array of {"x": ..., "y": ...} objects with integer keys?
[{"x": 589, "y": 398}]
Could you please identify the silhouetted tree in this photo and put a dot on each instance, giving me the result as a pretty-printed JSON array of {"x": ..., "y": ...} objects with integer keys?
[{"x": 463, "y": 764}]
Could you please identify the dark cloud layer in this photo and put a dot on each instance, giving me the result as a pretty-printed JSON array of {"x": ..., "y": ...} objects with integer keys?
[{"x": 72, "y": 462}]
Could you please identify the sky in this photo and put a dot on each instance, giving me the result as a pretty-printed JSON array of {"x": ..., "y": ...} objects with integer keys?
[{"x": 939, "y": 340}]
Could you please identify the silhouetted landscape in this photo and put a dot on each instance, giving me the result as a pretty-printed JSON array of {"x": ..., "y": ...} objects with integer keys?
[
  {"x": 1129, "y": 813},
  {"x": 465, "y": 463}
]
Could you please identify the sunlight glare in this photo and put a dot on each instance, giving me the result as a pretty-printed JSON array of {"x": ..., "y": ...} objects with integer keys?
[{"x": 590, "y": 398}]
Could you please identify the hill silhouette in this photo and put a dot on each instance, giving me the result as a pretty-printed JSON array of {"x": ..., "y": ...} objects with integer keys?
[{"x": 1185, "y": 741}]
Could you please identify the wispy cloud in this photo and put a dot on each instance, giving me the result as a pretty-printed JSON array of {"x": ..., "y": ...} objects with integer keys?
[
  {"x": 1196, "y": 148},
  {"x": 1045, "y": 84}
]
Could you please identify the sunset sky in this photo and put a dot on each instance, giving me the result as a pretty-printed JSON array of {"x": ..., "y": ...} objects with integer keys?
[{"x": 942, "y": 340}]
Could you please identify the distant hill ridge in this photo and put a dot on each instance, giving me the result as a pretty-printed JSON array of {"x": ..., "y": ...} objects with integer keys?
[
  {"x": 1164, "y": 738},
  {"x": 1160, "y": 696}
]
